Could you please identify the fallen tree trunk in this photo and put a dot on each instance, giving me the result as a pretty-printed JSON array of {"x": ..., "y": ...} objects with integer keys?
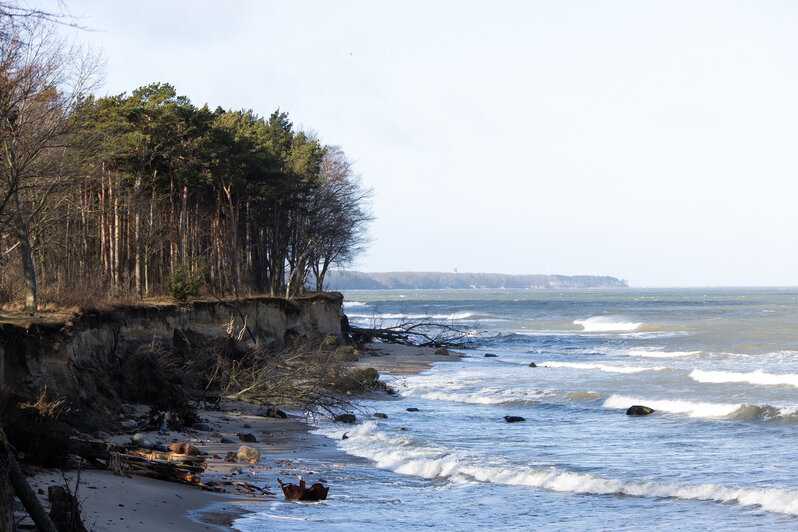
[
  {"x": 125, "y": 465},
  {"x": 423, "y": 333},
  {"x": 24, "y": 493}
]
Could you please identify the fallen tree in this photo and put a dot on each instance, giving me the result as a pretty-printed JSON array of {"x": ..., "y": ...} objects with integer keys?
[{"x": 422, "y": 333}]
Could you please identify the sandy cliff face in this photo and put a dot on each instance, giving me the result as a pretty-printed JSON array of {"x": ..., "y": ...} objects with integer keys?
[{"x": 74, "y": 359}]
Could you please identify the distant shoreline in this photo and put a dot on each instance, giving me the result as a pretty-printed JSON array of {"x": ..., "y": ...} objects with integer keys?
[{"x": 352, "y": 280}]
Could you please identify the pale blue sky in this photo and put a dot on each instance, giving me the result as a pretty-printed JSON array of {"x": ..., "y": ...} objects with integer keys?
[{"x": 653, "y": 141}]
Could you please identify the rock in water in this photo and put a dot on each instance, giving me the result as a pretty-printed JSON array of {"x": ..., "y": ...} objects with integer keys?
[
  {"x": 248, "y": 455},
  {"x": 532, "y": 365},
  {"x": 412, "y": 409},
  {"x": 442, "y": 351},
  {"x": 346, "y": 418},
  {"x": 490, "y": 355},
  {"x": 513, "y": 419},
  {"x": 638, "y": 410},
  {"x": 247, "y": 437},
  {"x": 381, "y": 415},
  {"x": 140, "y": 440}
]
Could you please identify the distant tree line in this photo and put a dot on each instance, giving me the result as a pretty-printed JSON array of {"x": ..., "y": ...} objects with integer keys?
[
  {"x": 349, "y": 280},
  {"x": 138, "y": 194}
]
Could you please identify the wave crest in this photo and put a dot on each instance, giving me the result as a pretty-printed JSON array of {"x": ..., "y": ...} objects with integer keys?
[
  {"x": 416, "y": 459},
  {"x": 755, "y": 377},
  {"x": 607, "y": 324},
  {"x": 601, "y": 367}
]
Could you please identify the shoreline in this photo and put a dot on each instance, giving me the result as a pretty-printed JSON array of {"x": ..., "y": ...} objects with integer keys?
[{"x": 111, "y": 503}]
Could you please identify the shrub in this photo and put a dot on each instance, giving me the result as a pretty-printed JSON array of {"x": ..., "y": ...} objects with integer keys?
[{"x": 183, "y": 284}]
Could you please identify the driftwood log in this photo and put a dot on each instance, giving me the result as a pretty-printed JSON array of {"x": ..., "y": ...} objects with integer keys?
[
  {"x": 24, "y": 492},
  {"x": 168, "y": 466},
  {"x": 292, "y": 492}
]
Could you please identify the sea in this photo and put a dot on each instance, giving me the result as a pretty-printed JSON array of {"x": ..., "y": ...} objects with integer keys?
[{"x": 719, "y": 367}]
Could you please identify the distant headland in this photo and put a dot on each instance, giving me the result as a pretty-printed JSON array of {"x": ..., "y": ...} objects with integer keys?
[{"x": 351, "y": 280}]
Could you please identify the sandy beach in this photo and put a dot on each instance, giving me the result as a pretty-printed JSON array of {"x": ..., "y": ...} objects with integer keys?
[{"x": 111, "y": 503}]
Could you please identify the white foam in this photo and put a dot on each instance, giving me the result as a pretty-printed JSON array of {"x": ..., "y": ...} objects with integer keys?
[
  {"x": 659, "y": 354},
  {"x": 600, "y": 367},
  {"x": 607, "y": 324},
  {"x": 755, "y": 377},
  {"x": 691, "y": 408},
  {"x": 485, "y": 396},
  {"x": 413, "y": 458},
  {"x": 354, "y": 304}
]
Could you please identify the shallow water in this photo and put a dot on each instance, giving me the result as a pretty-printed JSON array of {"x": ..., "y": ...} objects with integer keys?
[{"x": 719, "y": 366}]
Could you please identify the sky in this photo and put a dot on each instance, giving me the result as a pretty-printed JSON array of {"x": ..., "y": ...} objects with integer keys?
[{"x": 652, "y": 141}]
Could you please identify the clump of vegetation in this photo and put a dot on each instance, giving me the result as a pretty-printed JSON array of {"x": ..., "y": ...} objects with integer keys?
[
  {"x": 357, "y": 380},
  {"x": 34, "y": 427},
  {"x": 184, "y": 284},
  {"x": 346, "y": 353}
]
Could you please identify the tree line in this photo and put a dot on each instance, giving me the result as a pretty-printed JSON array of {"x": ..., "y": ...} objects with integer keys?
[{"x": 141, "y": 194}]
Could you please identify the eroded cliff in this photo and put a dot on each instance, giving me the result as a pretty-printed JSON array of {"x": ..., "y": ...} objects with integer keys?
[{"x": 75, "y": 359}]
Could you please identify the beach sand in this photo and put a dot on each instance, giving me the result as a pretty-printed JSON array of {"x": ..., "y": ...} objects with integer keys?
[{"x": 111, "y": 503}]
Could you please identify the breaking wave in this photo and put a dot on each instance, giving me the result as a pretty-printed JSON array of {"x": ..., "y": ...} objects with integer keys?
[
  {"x": 408, "y": 457},
  {"x": 754, "y": 377},
  {"x": 486, "y": 396},
  {"x": 607, "y": 324},
  {"x": 660, "y": 354},
  {"x": 703, "y": 409},
  {"x": 600, "y": 367}
]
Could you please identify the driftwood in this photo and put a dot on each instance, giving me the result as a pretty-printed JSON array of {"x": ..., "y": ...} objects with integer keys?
[
  {"x": 24, "y": 492},
  {"x": 126, "y": 465},
  {"x": 168, "y": 466},
  {"x": 292, "y": 492},
  {"x": 215, "y": 485},
  {"x": 422, "y": 333}
]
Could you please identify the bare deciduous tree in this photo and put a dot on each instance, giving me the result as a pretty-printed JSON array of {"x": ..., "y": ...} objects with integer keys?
[
  {"x": 41, "y": 82},
  {"x": 340, "y": 215}
]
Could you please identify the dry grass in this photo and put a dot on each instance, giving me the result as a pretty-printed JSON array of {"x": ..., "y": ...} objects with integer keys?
[{"x": 45, "y": 407}]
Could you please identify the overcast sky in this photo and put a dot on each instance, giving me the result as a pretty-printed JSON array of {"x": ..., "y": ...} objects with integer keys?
[{"x": 652, "y": 141}]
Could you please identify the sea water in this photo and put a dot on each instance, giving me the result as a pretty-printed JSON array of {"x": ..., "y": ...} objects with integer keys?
[{"x": 718, "y": 366}]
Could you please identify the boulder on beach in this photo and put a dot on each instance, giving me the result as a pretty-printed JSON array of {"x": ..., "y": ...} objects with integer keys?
[
  {"x": 275, "y": 412},
  {"x": 638, "y": 410},
  {"x": 184, "y": 448},
  {"x": 345, "y": 418},
  {"x": 247, "y": 437},
  {"x": 442, "y": 351},
  {"x": 513, "y": 419},
  {"x": 201, "y": 426},
  {"x": 225, "y": 439},
  {"x": 140, "y": 440},
  {"x": 248, "y": 455}
]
